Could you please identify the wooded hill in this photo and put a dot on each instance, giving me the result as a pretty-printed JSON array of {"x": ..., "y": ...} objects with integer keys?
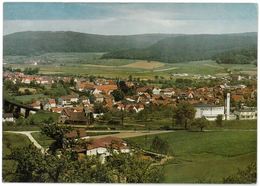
[
  {"x": 36, "y": 43},
  {"x": 161, "y": 47},
  {"x": 190, "y": 48}
]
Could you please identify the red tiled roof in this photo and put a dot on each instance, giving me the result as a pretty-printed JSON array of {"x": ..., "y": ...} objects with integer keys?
[
  {"x": 106, "y": 88},
  {"x": 105, "y": 142}
]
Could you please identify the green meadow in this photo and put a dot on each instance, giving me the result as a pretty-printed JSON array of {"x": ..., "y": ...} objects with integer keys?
[{"x": 205, "y": 156}]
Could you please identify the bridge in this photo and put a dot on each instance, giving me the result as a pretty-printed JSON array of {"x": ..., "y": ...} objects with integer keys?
[{"x": 18, "y": 108}]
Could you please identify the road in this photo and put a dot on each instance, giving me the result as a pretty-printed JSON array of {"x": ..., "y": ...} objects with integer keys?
[
  {"x": 31, "y": 138},
  {"x": 130, "y": 134}
]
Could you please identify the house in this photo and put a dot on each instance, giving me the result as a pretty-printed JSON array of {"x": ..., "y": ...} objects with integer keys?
[
  {"x": 190, "y": 94},
  {"x": 68, "y": 116},
  {"x": 237, "y": 97},
  {"x": 101, "y": 146},
  {"x": 69, "y": 99},
  {"x": 8, "y": 117},
  {"x": 144, "y": 98},
  {"x": 27, "y": 80},
  {"x": 52, "y": 103},
  {"x": 99, "y": 98},
  {"x": 210, "y": 112},
  {"x": 85, "y": 86},
  {"x": 169, "y": 92},
  {"x": 57, "y": 109},
  {"x": 105, "y": 89},
  {"x": 156, "y": 91},
  {"x": 36, "y": 105},
  {"x": 246, "y": 113},
  {"x": 145, "y": 89}
]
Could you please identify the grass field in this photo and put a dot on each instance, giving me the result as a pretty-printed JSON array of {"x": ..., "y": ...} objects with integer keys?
[
  {"x": 92, "y": 64},
  {"x": 235, "y": 124},
  {"x": 205, "y": 156},
  {"x": 26, "y": 99}
]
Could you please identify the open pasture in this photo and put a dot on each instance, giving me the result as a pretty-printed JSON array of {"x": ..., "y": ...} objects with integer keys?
[{"x": 205, "y": 156}]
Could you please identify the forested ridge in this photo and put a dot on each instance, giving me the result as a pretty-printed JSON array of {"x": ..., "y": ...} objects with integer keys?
[{"x": 170, "y": 48}]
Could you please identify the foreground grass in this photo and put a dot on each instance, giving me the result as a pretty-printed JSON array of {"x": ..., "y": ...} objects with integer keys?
[
  {"x": 11, "y": 141},
  {"x": 205, "y": 156}
]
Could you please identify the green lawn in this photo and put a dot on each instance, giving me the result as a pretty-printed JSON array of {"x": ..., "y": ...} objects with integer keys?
[
  {"x": 11, "y": 141},
  {"x": 205, "y": 156}
]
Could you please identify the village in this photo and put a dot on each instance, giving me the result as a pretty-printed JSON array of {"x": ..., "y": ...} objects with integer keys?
[{"x": 93, "y": 100}]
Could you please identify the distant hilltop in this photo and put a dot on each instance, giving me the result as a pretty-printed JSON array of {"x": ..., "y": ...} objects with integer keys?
[{"x": 169, "y": 48}]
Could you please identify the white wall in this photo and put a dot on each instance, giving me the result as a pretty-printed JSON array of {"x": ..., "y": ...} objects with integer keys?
[{"x": 209, "y": 112}]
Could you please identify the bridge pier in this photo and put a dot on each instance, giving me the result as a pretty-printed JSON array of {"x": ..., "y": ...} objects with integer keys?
[{"x": 27, "y": 113}]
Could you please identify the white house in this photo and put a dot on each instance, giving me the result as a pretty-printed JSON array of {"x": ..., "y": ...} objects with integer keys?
[
  {"x": 102, "y": 147},
  {"x": 209, "y": 111},
  {"x": 69, "y": 99},
  {"x": 169, "y": 92}
]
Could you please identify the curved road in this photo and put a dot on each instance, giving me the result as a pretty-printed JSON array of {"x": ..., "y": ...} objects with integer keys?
[{"x": 31, "y": 138}]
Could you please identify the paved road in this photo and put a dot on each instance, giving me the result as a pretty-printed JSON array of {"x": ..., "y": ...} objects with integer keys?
[
  {"x": 131, "y": 134},
  {"x": 31, "y": 138}
]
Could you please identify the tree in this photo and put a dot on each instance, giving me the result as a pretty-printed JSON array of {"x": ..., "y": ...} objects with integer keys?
[
  {"x": 184, "y": 113},
  {"x": 243, "y": 176},
  {"x": 126, "y": 168},
  {"x": 142, "y": 115},
  {"x": 219, "y": 120},
  {"x": 57, "y": 133},
  {"x": 160, "y": 145},
  {"x": 118, "y": 95},
  {"x": 130, "y": 78},
  {"x": 123, "y": 87},
  {"x": 200, "y": 123},
  {"x": 33, "y": 166},
  {"x": 31, "y": 71},
  {"x": 72, "y": 82},
  {"x": 99, "y": 108}
]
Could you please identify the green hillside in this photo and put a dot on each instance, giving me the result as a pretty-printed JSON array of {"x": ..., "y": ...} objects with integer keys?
[
  {"x": 35, "y": 43},
  {"x": 189, "y": 47},
  {"x": 168, "y": 48}
]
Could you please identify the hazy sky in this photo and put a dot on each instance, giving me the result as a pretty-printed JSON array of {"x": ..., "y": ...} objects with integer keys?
[{"x": 130, "y": 18}]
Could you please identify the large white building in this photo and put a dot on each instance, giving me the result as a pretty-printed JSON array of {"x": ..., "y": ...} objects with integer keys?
[{"x": 209, "y": 111}]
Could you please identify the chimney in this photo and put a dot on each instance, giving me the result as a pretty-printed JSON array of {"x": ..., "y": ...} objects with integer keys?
[{"x": 228, "y": 106}]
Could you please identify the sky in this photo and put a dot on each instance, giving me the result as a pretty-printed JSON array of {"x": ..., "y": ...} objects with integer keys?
[{"x": 131, "y": 18}]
